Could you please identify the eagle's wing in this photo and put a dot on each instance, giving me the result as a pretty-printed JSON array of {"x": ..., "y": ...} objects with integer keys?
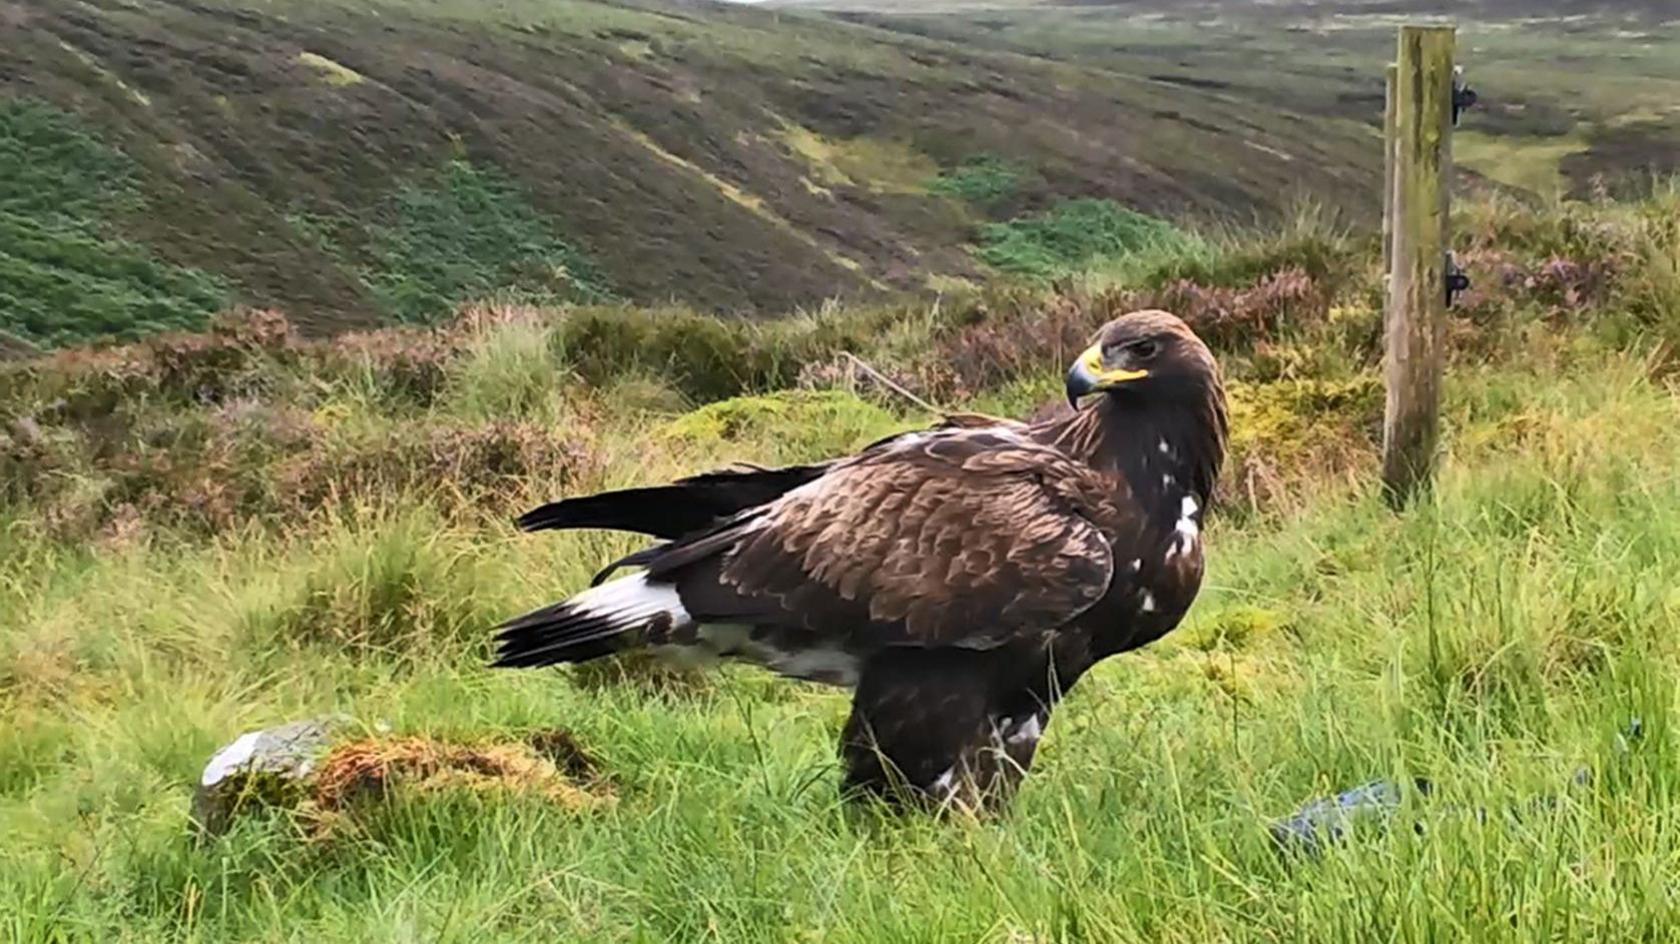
[
  {"x": 962, "y": 538},
  {"x": 699, "y": 502},
  {"x": 671, "y": 511}
]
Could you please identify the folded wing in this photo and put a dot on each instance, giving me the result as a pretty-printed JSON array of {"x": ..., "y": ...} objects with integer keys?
[{"x": 966, "y": 538}]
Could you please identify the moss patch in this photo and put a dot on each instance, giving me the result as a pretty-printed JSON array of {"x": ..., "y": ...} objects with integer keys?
[
  {"x": 1288, "y": 416},
  {"x": 797, "y": 425},
  {"x": 875, "y": 164}
]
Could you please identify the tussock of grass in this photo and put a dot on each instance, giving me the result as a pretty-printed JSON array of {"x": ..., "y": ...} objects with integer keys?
[
  {"x": 391, "y": 589},
  {"x": 513, "y": 368}
]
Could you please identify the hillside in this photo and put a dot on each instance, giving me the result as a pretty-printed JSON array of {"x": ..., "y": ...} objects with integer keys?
[
  {"x": 202, "y": 535},
  {"x": 1575, "y": 96},
  {"x": 356, "y": 163}
]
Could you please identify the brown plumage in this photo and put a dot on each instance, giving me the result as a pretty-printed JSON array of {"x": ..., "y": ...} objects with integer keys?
[{"x": 960, "y": 579}]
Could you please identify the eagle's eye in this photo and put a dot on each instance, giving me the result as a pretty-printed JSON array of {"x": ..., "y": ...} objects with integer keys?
[{"x": 1145, "y": 349}]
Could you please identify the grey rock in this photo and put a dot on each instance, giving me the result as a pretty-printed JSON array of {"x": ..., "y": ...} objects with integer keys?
[
  {"x": 265, "y": 767},
  {"x": 1331, "y": 819}
]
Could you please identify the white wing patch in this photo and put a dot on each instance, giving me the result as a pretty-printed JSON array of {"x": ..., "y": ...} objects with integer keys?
[
  {"x": 631, "y": 600},
  {"x": 1188, "y": 531},
  {"x": 1028, "y": 731}
]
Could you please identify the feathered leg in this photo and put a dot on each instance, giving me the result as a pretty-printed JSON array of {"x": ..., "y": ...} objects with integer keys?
[{"x": 928, "y": 728}]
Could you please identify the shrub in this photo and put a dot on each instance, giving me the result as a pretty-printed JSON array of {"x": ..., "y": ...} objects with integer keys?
[
  {"x": 1070, "y": 236},
  {"x": 984, "y": 180},
  {"x": 467, "y": 234},
  {"x": 252, "y": 462},
  {"x": 36, "y": 463},
  {"x": 1026, "y": 334},
  {"x": 463, "y": 466},
  {"x": 78, "y": 384},
  {"x": 706, "y": 358},
  {"x": 1002, "y": 348},
  {"x": 226, "y": 361},
  {"x": 395, "y": 367},
  {"x": 1287, "y": 433},
  {"x": 1228, "y": 316}
]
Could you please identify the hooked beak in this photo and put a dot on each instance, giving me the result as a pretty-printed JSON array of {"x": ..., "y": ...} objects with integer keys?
[{"x": 1087, "y": 375}]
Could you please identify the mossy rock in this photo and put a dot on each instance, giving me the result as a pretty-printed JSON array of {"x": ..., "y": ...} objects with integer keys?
[{"x": 334, "y": 781}]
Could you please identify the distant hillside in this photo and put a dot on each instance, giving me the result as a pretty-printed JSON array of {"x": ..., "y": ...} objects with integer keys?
[
  {"x": 356, "y": 163},
  {"x": 1577, "y": 96}
]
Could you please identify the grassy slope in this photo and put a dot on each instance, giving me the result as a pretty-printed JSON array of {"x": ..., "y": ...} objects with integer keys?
[
  {"x": 1492, "y": 639},
  {"x": 729, "y": 156}
]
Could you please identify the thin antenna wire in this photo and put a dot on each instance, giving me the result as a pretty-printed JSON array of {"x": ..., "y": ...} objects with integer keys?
[{"x": 883, "y": 380}]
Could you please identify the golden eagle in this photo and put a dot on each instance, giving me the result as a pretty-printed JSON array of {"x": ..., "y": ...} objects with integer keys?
[{"x": 958, "y": 579}]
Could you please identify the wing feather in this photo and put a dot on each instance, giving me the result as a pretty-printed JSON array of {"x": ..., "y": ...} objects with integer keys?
[{"x": 961, "y": 538}]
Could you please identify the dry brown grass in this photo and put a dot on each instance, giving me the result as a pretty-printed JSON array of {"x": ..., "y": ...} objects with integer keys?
[{"x": 551, "y": 767}]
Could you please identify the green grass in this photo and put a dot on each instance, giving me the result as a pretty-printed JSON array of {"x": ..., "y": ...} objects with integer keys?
[
  {"x": 64, "y": 276},
  {"x": 1532, "y": 164},
  {"x": 1493, "y": 639}
]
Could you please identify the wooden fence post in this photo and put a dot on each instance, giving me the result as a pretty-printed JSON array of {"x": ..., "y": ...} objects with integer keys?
[
  {"x": 1415, "y": 319},
  {"x": 1389, "y": 138}
]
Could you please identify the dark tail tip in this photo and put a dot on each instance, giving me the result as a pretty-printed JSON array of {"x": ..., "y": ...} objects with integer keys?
[
  {"x": 548, "y": 517},
  {"x": 555, "y": 635}
]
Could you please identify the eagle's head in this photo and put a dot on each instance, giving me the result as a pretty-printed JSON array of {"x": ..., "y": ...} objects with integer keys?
[
  {"x": 1146, "y": 354},
  {"x": 1160, "y": 385}
]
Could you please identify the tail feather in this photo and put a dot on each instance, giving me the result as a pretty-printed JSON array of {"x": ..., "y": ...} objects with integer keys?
[
  {"x": 595, "y": 623},
  {"x": 639, "y": 558},
  {"x": 671, "y": 511},
  {"x": 642, "y": 510}
]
